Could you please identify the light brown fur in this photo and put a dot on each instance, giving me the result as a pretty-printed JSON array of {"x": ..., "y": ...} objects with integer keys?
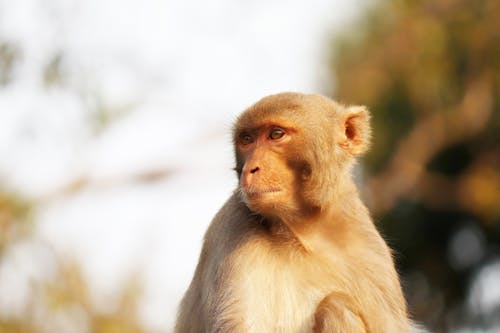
[{"x": 294, "y": 249}]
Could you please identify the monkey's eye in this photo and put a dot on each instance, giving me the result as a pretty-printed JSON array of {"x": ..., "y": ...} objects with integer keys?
[
  {"x": 246, "y": 139},
  {"x": 276, "y": 134}
]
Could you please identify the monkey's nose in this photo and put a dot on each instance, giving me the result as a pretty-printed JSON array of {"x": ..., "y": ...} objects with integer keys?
[{"x": 254, "y": 170}]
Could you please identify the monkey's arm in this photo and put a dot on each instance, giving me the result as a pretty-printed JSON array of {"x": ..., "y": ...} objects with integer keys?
[
  {"x": 337, "y": 313},
  {"x": 209, "y": 302},
  {"x": 190, "y": 317}
]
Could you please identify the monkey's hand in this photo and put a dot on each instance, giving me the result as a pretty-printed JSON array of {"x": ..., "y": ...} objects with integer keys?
[{"x": 337, "y": 313}]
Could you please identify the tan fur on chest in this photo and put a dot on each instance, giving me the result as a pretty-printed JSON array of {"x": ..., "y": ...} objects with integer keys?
[{"x": 275, "y": 295}]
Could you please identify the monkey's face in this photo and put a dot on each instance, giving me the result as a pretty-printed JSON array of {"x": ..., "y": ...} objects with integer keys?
[
  {"x": 267, "y": 179},
  {"x": 292, "y": 149}
]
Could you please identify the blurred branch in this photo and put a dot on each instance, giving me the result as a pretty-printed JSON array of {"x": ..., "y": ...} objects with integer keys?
[
  {"x": 430, "y": 135},
  {"x": 79, "y": 184}
]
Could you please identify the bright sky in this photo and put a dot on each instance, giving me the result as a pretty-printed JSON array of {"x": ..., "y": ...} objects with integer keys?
[{"x": 175, "y": 74}]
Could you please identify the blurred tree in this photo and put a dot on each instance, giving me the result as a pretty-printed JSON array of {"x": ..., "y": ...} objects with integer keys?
[
  {"x": 62, "y": 301},
  {"x": 430, "y": 73},
  {"x": 14, "y": 219},
  {"x": 8, "y": 55}
]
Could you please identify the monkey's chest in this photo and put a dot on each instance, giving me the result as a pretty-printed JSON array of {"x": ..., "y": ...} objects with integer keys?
[{"x": 277, "y": 297}]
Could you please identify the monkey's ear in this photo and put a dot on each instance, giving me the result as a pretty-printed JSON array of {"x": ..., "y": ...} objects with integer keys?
[{"x": 355, "y": 124}]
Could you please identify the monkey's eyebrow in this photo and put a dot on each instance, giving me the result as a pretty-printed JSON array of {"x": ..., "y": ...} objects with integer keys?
[
  {"x": 247, "y": 130},
  {"x": 239, "y": 134},
  {"x": 265, "y": 126}
]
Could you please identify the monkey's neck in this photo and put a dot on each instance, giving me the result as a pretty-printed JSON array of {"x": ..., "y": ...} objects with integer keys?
[{"x": 319, "y": 228}]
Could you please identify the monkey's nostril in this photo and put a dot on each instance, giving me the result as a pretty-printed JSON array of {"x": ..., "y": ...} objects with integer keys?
[{"x": 254, "y": 170}]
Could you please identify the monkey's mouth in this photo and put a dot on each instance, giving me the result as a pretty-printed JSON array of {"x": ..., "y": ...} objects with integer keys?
[{"x": 258, "y": 192}]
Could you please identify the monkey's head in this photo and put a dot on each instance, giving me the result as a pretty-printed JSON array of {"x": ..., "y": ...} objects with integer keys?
[{"x": 294, "y": 151}]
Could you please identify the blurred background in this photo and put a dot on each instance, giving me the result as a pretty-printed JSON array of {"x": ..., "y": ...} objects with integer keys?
[{"x": 115, "y": 147}]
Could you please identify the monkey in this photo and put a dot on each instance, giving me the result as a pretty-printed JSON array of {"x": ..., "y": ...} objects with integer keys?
[{"x": 294, "y": 248}]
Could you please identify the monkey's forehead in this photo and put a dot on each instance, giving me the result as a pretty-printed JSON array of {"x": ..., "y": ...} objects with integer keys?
[
  {"x": 288, "y": 110},
  {"x": 257, "y": 117}
]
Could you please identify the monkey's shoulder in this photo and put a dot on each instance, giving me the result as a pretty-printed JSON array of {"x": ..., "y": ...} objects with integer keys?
[{"x": 230, "y": 222}]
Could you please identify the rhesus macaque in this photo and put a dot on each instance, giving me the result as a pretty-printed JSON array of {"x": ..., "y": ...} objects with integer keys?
[{"x": 294, "y": 249}]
